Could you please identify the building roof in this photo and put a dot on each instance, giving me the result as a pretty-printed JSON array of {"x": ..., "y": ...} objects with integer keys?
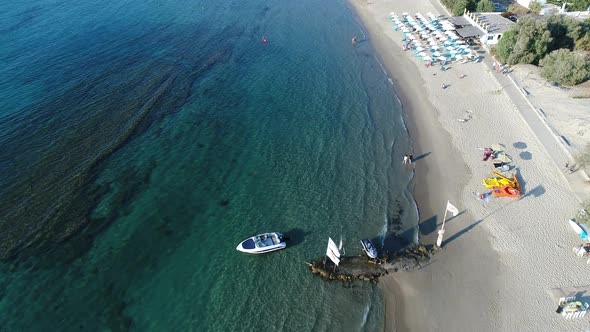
[
  {"x": 496, "y": 23},
  {"x": 470, "y": 31},
  {"x": 459, "y": 20}
]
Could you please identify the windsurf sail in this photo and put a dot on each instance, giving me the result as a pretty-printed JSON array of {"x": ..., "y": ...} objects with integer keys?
[{"x": 332, "y": 252}]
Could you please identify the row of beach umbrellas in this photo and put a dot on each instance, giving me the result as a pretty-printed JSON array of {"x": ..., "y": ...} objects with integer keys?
[{"x": 429, "y": 34}]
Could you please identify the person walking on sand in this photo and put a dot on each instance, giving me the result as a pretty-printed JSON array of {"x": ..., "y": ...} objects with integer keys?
[
  {"x": 406, "y": 159},
  {"x": 410, "y": 158}
]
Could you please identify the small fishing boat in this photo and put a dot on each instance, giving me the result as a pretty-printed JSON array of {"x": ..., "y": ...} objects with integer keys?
[
  {"x": 262, "y": 243},
  {"x": 369, "y": 248}
]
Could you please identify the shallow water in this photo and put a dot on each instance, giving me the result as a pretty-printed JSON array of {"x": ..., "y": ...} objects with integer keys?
[{"x": 142, "y": 141}]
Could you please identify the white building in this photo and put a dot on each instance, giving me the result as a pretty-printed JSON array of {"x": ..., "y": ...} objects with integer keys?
[{"x": 487, "y": 27}]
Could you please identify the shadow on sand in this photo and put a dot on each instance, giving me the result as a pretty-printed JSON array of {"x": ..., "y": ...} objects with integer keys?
[
  {"x": 470, "y": 227},
  {"x": 430, "y": 225},
  {"x": 422, "y": 156}
]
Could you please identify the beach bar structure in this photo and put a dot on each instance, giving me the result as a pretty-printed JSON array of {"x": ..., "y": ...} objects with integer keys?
[{"x": 487, "y": 27}]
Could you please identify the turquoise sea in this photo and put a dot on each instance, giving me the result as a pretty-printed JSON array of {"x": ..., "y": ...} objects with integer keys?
[{"x": 141, "y": 141}]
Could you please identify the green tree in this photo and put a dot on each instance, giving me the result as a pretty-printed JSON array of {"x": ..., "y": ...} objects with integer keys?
[
  {"x": 459, "y": 7},
  {"x": 535, "y": 7},
  {"x": 485, "y": 6},
  {"x": 532, "y": 42},
  {"x": 566, "y": 67},
  {"x": 577, "y": 5},
  {"x": 583, "y": 44},
  {"x": 506, "y": 44},
  {"x": 564, "y": 30}
]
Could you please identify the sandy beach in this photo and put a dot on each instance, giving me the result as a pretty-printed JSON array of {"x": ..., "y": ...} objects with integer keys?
[{"x": 504, "y": 262}]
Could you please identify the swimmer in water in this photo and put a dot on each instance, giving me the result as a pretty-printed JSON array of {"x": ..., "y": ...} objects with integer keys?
[
  {"x": 353, "y": 40},
  {"x": 264, "y": 40}
]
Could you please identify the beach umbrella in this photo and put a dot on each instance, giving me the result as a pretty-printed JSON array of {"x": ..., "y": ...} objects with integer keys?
[
  {"x": 436, "y": 54},
  {"x": 419, "y": 49}
]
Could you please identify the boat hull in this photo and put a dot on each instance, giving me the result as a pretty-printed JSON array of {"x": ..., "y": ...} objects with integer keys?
[
  {"x": 369, "y": 248},
  {"x": 262, "y": 243},
  {"x": 579, "y": 230}
]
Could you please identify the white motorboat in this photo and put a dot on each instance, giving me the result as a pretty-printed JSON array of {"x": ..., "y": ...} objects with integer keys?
[
  {"x": 369, "y": 248},
  {"x": 262, "y": 243}
]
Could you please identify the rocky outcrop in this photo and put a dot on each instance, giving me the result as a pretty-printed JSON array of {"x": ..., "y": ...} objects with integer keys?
[{"x": 353, "y": 268}]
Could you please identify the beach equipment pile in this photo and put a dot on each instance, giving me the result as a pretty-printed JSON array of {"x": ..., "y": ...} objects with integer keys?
[
  {"x": 432, "y": 40},
  {"x": 503, "y": 186},
  {"x": 570, "y": 308}
]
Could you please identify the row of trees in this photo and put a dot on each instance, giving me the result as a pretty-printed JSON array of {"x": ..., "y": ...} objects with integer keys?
[
  {"x": 559, "y": 44},
  {"x": 457, "y": 7}
]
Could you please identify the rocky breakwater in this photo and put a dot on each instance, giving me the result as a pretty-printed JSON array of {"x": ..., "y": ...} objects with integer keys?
[{"x": 352, "y": 268}]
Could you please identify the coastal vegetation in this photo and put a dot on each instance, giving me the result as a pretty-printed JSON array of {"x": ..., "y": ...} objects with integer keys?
[
  {"x": 559, "y": 44},
  {"x": 566, "y": 67},
  {"x": 572, "y": 5},
  {"x": 457, "y": 7},
  {"x": 484, "y": 6},
  {"x": 535, "y": 7}
]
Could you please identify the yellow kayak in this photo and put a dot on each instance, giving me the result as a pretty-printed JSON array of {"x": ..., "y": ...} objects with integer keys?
[{"x": 496, "y": 182}]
